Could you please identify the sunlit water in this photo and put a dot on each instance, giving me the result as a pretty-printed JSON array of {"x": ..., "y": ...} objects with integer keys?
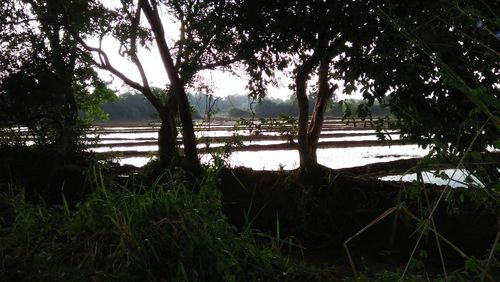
[
  {"x": 148, "y": 148},
  {"x": 289, "y": 159},
  {"x": 451, "y": 177},
  {"x": 269, "y": 160},
  {"x": 110, "y": 139},
  {"x": 360, "y": 138},
  {"x": 330, "y": 157},
  {"x": 335, "y": 158}
]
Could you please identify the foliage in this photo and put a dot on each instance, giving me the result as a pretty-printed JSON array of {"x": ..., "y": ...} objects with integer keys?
[
  {"x": 163, "y": 232},
  {"x": 221, "y": 155},
  {"x": 250, "y": 125},
  {"x": 442, "y": 59},
  {"x": 306, "y": 40},
  {"x": 267, "y": 108},
  {"x": 203, "y": 42},
  {"x": 46, "y": 174},
  {"x": 129, "y": 107},
  {"x": 238, "y": 113},
  {"x": 91, "y": 102},
  {"x": 449, "y": 104},
  {"x": 44, "y": 80},
  {"x": 437, "y": 70},
  {"x": 285, "y": 126}
]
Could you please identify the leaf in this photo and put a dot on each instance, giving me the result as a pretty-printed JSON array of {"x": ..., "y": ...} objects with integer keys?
[{"x": 470, "y": 265}]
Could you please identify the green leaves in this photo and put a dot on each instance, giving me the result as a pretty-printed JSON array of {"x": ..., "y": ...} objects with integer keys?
[
  {"x": 91, "y": 101},
  {"x": 440, "y": 74}
]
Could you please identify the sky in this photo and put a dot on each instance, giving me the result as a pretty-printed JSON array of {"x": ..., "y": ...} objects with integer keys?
[{"x": 224, "y": 83}]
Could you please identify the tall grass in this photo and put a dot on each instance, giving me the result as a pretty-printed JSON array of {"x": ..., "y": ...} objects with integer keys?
[{"x": 172, "y": 230}]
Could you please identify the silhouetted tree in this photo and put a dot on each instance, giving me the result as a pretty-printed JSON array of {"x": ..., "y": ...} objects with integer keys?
[
  {"x": 308, "y": 36},
  {"x": 203, "y": 43},
  {"x": 44, "y": 81},
  {"x": 437, "y": 71},
  {"x": 130, "y": 107}
]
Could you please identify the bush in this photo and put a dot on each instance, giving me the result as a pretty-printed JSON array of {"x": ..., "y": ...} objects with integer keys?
[{"x": 166, "y": 231}]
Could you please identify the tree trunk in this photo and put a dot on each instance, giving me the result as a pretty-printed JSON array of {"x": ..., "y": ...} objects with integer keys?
[
  {"x": 188, "y": 136},
  {"x": 307, "y": 160},
  {"x": 325, "y": 93},
  {"x": 167, "y": 139},
  {"x": 66, "y": 108}
]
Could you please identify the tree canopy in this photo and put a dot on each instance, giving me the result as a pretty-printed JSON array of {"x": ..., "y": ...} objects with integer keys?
[
  {"x": 44, "y": 79},
  {"x": 309, "y": 37},
  {"x": 423, "y": 59},
  {"x": 203, "y": 42},
  {"x": 438, "y": 71}
]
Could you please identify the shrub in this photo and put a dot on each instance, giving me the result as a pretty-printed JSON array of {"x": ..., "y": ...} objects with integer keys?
[{"x": 170, "y": 231}]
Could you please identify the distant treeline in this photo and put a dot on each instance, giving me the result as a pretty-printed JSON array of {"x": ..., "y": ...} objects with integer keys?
[
  {"x": 130, "y": 107},
  {"x": 135, "y": 107}
]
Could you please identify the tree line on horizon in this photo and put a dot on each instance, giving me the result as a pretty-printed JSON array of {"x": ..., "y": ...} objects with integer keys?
[{"x": 133, "y": 107}]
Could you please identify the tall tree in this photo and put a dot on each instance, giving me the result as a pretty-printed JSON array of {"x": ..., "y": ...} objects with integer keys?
[
  {"x": 309, "y": 36},
  {"x": 423, "y": 64},
  {"x": 43, "y": 79},
  {"x": 202, "y": 43}
]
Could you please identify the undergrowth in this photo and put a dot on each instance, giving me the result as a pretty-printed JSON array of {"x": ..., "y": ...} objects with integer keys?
[{"x": 169, "y": 231}]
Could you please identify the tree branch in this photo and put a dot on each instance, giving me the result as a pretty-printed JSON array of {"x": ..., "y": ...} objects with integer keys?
[
  {"x": 154, "y": 20},
  {"x": 222, "y": 63},
  {"x": 135, "y": 20},
  {"x": 106, "y": 65},
  {"x": 182, "y": 37}
]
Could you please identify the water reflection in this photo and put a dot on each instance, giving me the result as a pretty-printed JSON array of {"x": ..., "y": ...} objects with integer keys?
[
  {"x": 112, "y": 137},
  {"x": 126, "y": 148},
  {"x": 452, "y": 177},
  {"x": 330, "y": 157},
  {"x": 135, "y": 161}
]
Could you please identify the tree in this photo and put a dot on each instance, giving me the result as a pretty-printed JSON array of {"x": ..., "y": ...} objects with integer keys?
[
  {"x": 439, "y": 70},
  {"x": 310, "y": 36},
  {"x": 239, "y": 113},
  {"x": 130, "y": 106},
  {"x": 44, "y": 82},
  {"x": 268, "y": 108},
  {"x": 202, "y": 45},
  {"x": 387, "y": 52}
]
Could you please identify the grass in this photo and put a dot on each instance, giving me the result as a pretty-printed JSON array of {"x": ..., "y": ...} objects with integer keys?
[{"x": 171, "y": 230}]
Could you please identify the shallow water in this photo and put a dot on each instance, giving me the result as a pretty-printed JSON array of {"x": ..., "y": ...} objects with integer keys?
[
  {"x": 360, "y": 138},
  {"x": 126, "y": 135},
  {"x": 455, "y": 178},
  {"x": 268, "y": 160},
  {"x": 330, "y": 157}
]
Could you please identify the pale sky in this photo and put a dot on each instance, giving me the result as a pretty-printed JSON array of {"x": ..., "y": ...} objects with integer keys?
[{"x": 224, "y": 83}]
